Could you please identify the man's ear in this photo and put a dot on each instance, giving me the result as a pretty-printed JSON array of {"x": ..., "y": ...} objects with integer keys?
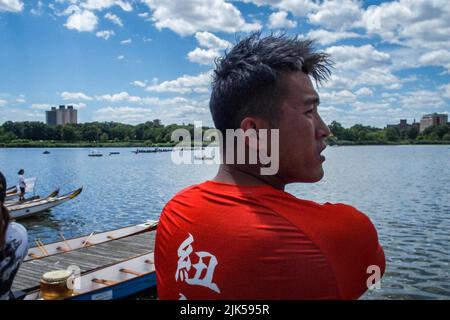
[
  {"x": 249, "y": 126},
  {"x": 249, "y": 123}
]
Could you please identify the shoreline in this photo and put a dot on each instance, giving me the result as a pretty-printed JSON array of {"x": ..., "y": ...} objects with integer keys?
[{"x": 171, "y": 145}]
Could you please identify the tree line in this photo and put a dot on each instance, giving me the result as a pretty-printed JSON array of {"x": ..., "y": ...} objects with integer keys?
[
  {"x": 367, "y": 134},
  {"x": 154, "y": 132}
]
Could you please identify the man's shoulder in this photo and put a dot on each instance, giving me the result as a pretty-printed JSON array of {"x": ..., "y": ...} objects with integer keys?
[{"x": 191, "y": 190}]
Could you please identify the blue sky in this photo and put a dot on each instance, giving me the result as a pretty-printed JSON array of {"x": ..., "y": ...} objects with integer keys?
[{"x": 137, "y": 60}]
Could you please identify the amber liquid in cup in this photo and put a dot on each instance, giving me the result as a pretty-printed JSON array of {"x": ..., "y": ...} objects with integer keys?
[{"x": 55, "y": 290}]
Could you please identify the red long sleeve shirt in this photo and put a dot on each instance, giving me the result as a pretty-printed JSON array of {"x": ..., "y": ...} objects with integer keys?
[{"x": 224, "y": 241}]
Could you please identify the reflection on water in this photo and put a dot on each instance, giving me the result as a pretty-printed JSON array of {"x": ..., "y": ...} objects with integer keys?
[{"x": 403, "y": 189}]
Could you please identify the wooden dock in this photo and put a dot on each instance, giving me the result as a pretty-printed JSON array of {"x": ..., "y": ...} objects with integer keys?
[{"x": 87, "y": 259}]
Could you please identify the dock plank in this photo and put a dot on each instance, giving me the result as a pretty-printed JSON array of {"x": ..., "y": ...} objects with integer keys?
[{"x": 87, "y": 259}]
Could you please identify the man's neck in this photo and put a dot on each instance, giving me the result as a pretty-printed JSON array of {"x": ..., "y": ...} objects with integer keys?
[{"x": 246, "y": 176}]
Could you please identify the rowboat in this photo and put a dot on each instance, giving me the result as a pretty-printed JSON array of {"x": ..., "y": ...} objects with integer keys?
[
  {"x": 95, "y": 153},
  {"x": 31, "y": 199},
  {"x": 11, "y": 190},
  {"x": 27, "y": 209},
  {"x": 116, "y": 281},
  {"x": 203, "y": 158},
  {"x": 67, "y": 245}
]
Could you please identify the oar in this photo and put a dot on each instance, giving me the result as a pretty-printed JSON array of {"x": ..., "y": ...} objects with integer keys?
[
  {"x": 131, "y": 272},
  {"x": 87, "y": 240},
  {"x": 104, "y": 282},
  {"x": 65, "y": 241},
  {"x": 39, "y": 246},
  {"x": 43, "y": 247}
]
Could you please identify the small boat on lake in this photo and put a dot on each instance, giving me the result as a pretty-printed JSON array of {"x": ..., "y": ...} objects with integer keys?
[
  {"x": 46, "y": 152},
  {"x": 67, "y": 245},
  {"x": 95, "y": 153},
  {"x": 115, "y": 281},
  {"x": 113, "y": 153},
  {"x": 23, "y": 210},
  {"x": 31, "y": 199},
  {"x": 203, "y": 158}
]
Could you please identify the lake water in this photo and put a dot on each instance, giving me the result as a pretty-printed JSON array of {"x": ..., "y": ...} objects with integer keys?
[{"x": 405, "y": 190}]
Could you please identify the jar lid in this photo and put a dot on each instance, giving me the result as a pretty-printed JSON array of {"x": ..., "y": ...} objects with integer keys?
[{"x": 56, "y": 276}]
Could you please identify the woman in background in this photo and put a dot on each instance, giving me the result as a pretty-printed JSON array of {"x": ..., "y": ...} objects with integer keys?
[
  {"x": 13, "y": 246},
  {"x": 22, "y": 185}
]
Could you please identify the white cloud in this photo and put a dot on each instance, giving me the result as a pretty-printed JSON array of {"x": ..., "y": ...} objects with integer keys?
[
  {"x": 143, "y": 14},
  {"x": 120, "y": 57},
  {"x": 364, "y": 92},
  {"x": 11, "y": 5},
  {"x": 119, "y": 97},
  {"x": 124, "y": 114},
  {"x": 300, "y": 8},
  {"x": 105, "y": 4},
  {"x": 214, "y": 45},
  {"x": 422, "y": 99},
  {"x": 370, "y": 106},
  {"x": 379, "y": 76},
  {"x": 114, "y": 19},
  {"x": 446, "y": 90},
  {"x": 127, "y": 41},
  {"x": 189, "y": 16},
  {"x": 437, "y": 58},
  {"x": 327, "y": 37},
  {"x": 203, "y": 56},
  {"x": 279, "y": 20},
  {"x": 415, "y": 23},
  {"x": 105, "y": 34},
  {"x": 352, "y": 57},
  {"x": 2, "y": 103},
  {"x": 184, "y": 84},
  {"x": 361, "y": 66},
  {"x": 37, "y": 11},
  {"x": 337, "y": 97},
  {"x": 211, "y": 41},
  {"x": 339, "y": 80},
  {"x": 75, "y": 96},
  {"x": 188, "y": 111},
  {"x": 337, "y": 14},
  {"x": 41, "y": 106},
  {"x": 82, "y": 21},
  {"x": 140, "y": 84},
  {"x": 79, "y": 105}
]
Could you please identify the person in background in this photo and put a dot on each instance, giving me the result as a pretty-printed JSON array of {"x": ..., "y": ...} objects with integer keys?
[
  {"x": 13, "y": 246},
  {"x": 22, "y": 185},
  {"x": 241, "y": 235}
]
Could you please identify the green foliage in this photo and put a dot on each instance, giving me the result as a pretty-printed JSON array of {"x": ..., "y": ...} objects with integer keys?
[
  {"x": 359, "y": 134},
  {"x": 153, "y": 133},
  {"x": 149, "y": 133}
]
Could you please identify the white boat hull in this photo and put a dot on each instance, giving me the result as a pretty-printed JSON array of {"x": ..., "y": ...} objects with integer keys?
[{"x": 27, "y": 209}]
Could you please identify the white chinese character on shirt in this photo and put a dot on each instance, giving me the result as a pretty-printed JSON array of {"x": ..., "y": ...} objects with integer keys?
[{"x": 184, "y": 265}]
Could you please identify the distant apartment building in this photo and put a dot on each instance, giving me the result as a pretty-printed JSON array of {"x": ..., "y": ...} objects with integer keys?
[
  {"x": 61, "y": 116},
  {"x": 432, "y": 119},
  {"x": 403, "y": 124}
]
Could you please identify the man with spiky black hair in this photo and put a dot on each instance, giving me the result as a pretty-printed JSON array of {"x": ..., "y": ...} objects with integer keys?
[{"x": 241, "y": 235}]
